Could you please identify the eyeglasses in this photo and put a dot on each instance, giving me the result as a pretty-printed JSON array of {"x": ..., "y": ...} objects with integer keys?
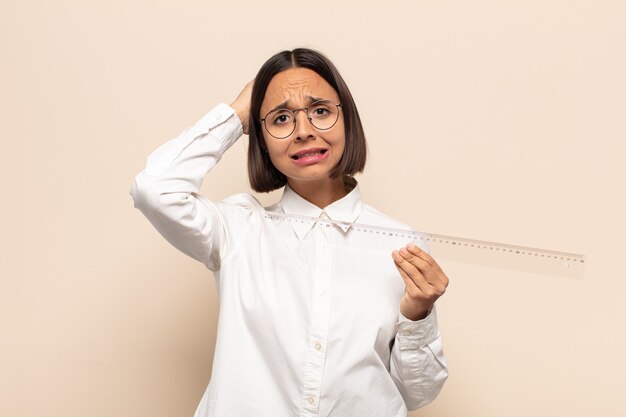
[{"x": 281, "y": 123}]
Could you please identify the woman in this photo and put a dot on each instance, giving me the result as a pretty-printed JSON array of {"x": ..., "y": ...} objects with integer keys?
[{"x": 314, "y": 320}]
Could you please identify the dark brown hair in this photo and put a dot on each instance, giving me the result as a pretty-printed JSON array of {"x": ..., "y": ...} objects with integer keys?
[{"x": 263, "y": 175}]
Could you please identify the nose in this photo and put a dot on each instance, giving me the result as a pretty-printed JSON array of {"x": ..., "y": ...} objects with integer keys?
[{"x": 304, "y": 129}]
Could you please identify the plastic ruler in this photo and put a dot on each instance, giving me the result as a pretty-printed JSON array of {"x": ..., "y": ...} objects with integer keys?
[{"x": 464, "y": 250}]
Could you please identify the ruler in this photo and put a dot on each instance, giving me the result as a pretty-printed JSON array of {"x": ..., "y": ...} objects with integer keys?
[{"x": 465, "y": 250}]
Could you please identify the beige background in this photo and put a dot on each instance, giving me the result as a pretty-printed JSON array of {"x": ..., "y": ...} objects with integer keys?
[{"x": 495, "y": 120}]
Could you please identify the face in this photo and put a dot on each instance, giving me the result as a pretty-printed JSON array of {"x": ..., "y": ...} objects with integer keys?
[{"x": 307, "y": 154}]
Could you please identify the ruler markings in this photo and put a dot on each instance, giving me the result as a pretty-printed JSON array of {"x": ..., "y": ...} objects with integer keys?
[{"x": 466, "y": 250}]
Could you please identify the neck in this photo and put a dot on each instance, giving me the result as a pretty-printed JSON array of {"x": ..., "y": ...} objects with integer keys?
[{"x": 320, "y": 192}]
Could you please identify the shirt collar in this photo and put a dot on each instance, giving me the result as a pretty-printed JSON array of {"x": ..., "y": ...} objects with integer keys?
[{"x": 346, "y": 209}]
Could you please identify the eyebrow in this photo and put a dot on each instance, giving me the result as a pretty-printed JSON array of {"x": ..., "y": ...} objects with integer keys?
[{"x": 284, "y": 103}]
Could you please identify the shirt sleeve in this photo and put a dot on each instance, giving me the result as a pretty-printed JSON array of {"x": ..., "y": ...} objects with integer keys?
[
  {"x": 166, "y": 191},
  {"x": 417, "y": 365}
]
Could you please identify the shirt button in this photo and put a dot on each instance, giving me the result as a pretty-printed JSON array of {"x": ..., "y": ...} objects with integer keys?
[
  {"x": 311, "y": 400},
  {"x": 324, "y": 295},
  {"x": 318, "y": 346}
]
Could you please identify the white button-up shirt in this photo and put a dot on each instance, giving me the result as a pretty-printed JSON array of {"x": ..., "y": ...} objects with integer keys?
[{"x": 309, "y": 321}]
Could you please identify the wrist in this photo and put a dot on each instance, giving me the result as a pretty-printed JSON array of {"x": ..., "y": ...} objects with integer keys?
[
  {"x": 415, "y": 314},
  {"x": 242, "y": 114},
  {"x": 416, "y": 317}
]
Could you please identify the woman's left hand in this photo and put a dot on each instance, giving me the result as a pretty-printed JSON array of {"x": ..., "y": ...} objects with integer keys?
[{"x": 424, "y": 281}]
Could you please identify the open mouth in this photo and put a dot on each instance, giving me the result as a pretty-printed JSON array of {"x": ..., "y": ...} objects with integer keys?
[{"x": 309, "y": 153}]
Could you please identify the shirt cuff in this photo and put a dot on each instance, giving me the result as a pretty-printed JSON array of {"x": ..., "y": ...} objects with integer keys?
[
  {"x": 218, "y": 114},
  {"x": 414, "y": 335}
]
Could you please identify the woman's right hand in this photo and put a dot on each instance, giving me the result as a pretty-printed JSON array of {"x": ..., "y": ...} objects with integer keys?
[{"x": 242, "y": 105}]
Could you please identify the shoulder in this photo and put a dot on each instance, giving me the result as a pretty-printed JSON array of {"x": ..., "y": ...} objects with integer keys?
[
  {"x": 242, "y": 204},
  {"x": 239, "y": 209},
  {"x": 243, "y": 201},
  {"x": 372, "y": 216},
  {"x": 245, "y": 205}
]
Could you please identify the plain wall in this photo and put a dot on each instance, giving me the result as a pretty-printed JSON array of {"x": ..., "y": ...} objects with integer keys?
[{"x": 493, "y": 120}]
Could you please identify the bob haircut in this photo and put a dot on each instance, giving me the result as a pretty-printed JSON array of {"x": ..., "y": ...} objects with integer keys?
[{"x": 263, "y": 175}]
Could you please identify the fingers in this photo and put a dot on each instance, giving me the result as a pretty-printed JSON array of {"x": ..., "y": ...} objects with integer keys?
[
  {"x": 413, "y": 278},
  {"x": 416, "y": 251},
  {"x": 419, "y": 255},
  {"x": 420, "y": 266},
  {"x": 241, "y": 105}
]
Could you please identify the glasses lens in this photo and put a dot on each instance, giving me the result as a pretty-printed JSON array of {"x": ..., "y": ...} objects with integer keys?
[
  {"x": 280, "y": 123},
  {"x": 323, "y": 115}
]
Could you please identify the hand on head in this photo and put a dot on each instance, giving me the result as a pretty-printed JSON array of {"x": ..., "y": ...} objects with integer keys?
[{"x": 242, "y": 105}]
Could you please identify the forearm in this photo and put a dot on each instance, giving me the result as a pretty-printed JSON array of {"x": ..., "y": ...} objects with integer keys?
[
  {"x": 418, "y": 365},
  {"x": 166, "y": 190}
]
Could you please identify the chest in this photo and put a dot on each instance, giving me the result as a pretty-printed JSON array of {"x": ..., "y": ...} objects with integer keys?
[{"x": 277, "y": 275}]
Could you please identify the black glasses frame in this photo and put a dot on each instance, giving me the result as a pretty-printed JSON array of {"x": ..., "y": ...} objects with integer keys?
[{"x": 307, "y": 116}]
